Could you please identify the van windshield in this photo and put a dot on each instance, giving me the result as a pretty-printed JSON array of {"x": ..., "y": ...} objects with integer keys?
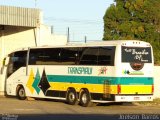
[{"x": 136, "y": 54}]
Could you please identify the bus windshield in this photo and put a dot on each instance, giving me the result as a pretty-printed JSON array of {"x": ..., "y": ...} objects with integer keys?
[{"x": 136, "y": 54}]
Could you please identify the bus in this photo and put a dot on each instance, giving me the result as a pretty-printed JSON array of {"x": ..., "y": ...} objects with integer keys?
[{"x": 86, "y": 73}]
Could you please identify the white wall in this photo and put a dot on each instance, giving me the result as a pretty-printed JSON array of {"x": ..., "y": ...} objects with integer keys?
[
  {"x": 19, "y": 37},
  {"x": 16, "y": 37},
  {"x": 46, "y": 38},
  {"x": 157, "y": 82}
]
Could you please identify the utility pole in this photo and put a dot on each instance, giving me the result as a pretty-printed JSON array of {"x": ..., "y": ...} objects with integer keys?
[
  {"x": 52, "y": 29},
  {"x": 85, "y": 39},
  {"x": 68, "y": 35},
  {"x": 35, "y": 3}
]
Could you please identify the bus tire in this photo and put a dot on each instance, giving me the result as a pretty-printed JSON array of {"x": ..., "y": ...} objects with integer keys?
[
  {"x": 72, "y": 97},
  {"x": 21, "y": 93},
  {"x": 85, "y": 99}
]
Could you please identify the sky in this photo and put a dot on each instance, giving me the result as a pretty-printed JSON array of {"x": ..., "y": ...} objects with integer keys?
[{"x": 82, "y": 17}]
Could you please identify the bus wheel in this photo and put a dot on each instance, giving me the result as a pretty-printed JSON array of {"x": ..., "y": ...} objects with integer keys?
[
  {"x": 85, "y": 99},
  {"x": 21, "y": 93},
  {"x": 71, "y": 97}
]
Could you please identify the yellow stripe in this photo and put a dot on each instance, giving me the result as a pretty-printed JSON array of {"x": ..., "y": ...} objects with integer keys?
[
  {"x": 100, "y": 88},
  {"x": 30, "y": 81},
  {"x": 133, "y": 89},
  {"x": 93, "y": 88}
]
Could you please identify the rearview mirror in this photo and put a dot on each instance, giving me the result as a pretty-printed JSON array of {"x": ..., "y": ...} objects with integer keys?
[{"x": 5, "y": 61}]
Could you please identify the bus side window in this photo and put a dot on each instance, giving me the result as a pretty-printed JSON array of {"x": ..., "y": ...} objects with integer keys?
[
  {"x": 35, "y": 56},
  {"x": 89, "y": 56},
  {"x": 52, "y": 56},
  {"x": 106, "y": 55},
  {"x": 17, "y": 60},
  {"x": 46, "y": 56},
  {"x": 69, "y": 56}
]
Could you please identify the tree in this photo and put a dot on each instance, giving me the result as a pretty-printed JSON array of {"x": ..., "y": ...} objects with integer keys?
[{"x": 134, "y": 19}]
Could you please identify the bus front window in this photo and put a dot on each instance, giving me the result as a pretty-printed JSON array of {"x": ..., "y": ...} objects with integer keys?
[{"x": 17, "y": 60}]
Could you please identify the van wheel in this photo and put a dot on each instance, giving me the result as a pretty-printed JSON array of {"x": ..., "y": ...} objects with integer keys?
[
  {"x": 21, "y": 93},
  {"x": 71, "y": 97},
  {"x": 85, "y": 99}
]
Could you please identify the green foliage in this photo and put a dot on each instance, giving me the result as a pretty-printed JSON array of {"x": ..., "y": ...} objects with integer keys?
[{"x": 134, "y": 19}]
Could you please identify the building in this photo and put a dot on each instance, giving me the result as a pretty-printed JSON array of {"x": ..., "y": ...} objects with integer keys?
[{"x": 23, "y": 27}]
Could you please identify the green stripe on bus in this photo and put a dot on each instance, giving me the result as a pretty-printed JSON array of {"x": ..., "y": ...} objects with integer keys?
[{"x": 100, "y": 80}]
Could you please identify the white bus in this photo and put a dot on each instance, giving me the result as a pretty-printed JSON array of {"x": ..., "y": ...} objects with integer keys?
[{"x": 96, "y": 72}]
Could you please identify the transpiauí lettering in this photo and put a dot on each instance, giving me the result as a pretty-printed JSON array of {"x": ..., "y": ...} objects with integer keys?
[{"x": 80, "y": 70}]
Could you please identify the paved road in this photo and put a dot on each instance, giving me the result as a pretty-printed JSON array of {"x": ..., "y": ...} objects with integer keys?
[{"x": 13, "y": 109}]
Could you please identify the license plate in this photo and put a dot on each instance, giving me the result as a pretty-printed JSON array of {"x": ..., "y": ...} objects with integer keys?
[{"x": 136, "y": 98}]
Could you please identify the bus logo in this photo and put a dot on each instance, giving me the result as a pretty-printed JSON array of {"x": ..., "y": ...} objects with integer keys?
[
  {"x": 80, "y": 70},
  {"x": 102, "y": 71},
  {"x": 127, "y": 72}
]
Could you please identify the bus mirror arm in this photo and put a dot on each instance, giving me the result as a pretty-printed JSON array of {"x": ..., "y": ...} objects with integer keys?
[
  {"x": 5, "y": 64},
  {"x": 2, "y": 69}
]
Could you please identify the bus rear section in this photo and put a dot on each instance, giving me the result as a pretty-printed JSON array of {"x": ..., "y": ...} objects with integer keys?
[{"x": 135, "y": 81}]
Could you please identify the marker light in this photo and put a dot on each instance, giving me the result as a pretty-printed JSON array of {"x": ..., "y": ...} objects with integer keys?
[
  {"x": 152, "y": 88},
  {"x": 118, "y": 88}
]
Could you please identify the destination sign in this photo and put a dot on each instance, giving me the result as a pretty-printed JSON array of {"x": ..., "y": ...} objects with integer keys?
[{"x": 136, "y": 54}]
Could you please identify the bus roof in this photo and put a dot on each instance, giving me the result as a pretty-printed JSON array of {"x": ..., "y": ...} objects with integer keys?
[
  {"x": 109, "y": 42},
  {"x": 96, "y": 43}
]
